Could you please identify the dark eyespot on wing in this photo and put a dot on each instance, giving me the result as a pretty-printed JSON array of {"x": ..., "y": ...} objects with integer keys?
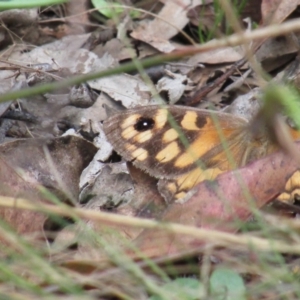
[{"x": 144, "y": 124}]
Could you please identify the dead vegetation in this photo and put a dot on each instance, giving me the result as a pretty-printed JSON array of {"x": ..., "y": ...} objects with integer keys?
[{"x": 77, "y": 222}]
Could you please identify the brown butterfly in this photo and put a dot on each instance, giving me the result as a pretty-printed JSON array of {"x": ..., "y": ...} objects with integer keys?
[{"x": 182, "y": 146}]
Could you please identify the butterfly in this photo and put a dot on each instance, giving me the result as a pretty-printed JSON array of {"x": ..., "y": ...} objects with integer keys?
[{"x": 183, "y": 146}]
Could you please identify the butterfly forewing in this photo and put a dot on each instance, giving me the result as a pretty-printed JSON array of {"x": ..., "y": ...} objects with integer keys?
[{"x": 169, "y": 141}]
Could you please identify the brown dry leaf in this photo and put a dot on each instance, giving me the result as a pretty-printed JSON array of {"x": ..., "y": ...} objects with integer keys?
[
  {"x": 221, "y": 204},
  {"x": 276, "y": 11},
  {"x": 145, "y": 50},
  {"x": 132, "y": 194},
  {"x": 54, "y": 114},
  {"x": 245, "y": 106},
  {"x": 218, "y": 56},
  {"x": 66, "y": 53},
  {"x": 130, "y": 90},
  {"x": 117, "y": 192},
  {"x": 147, "y": 201},
  {"x": 25, "y": 167},
  {"x": 110, "y": 188},
  {"x": 174, "y": 85},
  {"x": 76, "y": 17},
  {"x": 14, "y": 185},
  {"x": 22, "y": 23},
  {"x": 217, "y": 63},
  {"x": 202, "y": 14},
  {"x": 172, "y": 18},
  {"x": 276, "y": 52},
  {"x": 116, "y": 48}
]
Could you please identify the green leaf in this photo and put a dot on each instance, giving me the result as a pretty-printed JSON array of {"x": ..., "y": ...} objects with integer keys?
[
  {"x": 183, "y": 289},
  {"x": 106, "y": 8},
  {"x": 226, "y": 284},
  {"x": 27, "y": 4},
  {"x": 278, "y": 96}
]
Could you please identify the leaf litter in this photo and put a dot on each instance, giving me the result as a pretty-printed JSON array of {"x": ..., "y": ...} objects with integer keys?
[{"x": 50, "y": 141}]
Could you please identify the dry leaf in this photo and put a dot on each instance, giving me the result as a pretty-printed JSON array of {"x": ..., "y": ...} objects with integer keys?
[
  {"x": 25, "y": 166},
  {"x": 172, "y": 18},
  {"x": 174, "y": 85},
  {"x": 276, "y": 11},
  {"x": 222, "y": 204},
  {"x": 218, "y": 56},
  {"x": 130, "y": 90}
]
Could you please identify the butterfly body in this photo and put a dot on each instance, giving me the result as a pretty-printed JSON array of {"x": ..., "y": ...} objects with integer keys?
[{"x": 183, "y": 146}]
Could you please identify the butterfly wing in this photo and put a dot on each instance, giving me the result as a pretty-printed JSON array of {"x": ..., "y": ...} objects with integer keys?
[{"x": 180, "y": 144}]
